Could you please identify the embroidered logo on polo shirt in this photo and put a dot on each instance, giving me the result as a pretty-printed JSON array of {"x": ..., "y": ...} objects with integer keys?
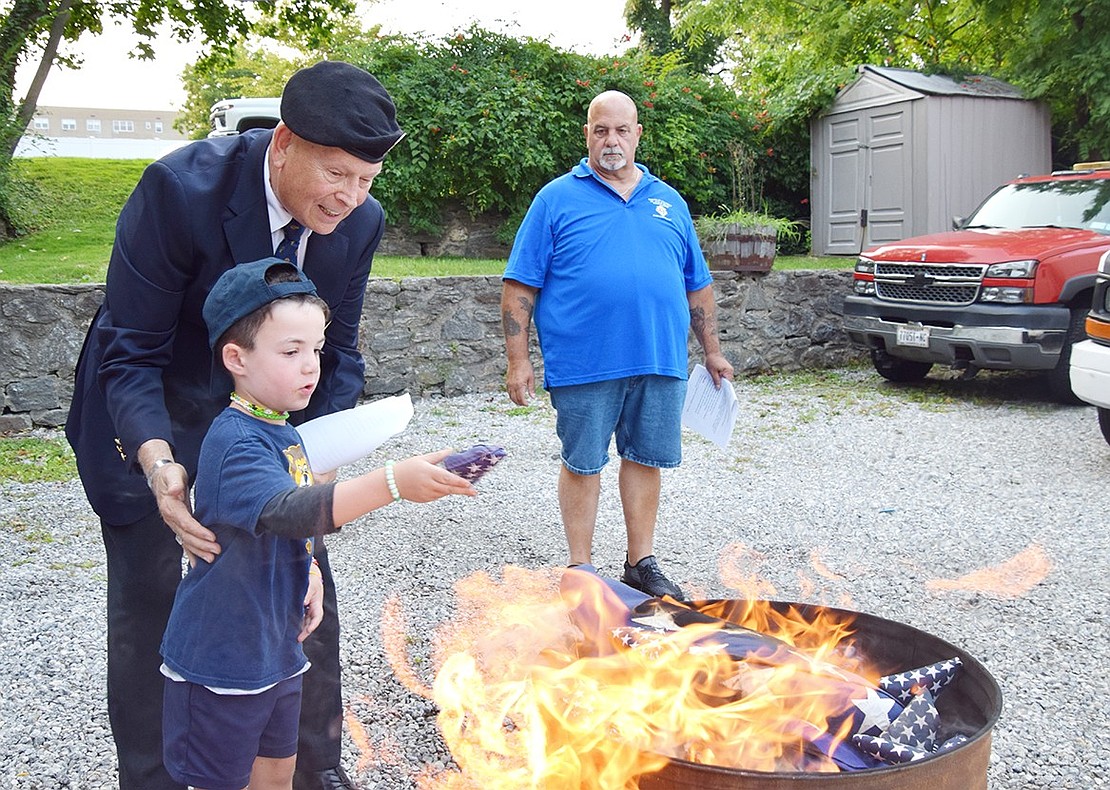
[{"x": 661, "y": 207}]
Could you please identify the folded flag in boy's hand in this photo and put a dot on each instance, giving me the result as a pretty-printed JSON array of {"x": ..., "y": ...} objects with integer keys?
[{"x": 472, "y": 463}]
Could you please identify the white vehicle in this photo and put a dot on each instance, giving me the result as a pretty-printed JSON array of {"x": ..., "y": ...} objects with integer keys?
[
  {"x": 234, "y": 116},
  {"x": 1090, "y": 359}
]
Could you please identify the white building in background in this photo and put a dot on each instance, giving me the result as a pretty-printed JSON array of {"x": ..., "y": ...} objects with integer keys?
[{"x": 100, "y": 134}]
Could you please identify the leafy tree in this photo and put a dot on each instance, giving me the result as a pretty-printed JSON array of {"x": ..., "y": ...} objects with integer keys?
[
  {"x": 37, "y": 30},
  {"x": 654, "y": 20},
  {"x": 793, "y": 56},
  {"x": 1060, "y": 53},
  {"x": 246, "y": 71}
]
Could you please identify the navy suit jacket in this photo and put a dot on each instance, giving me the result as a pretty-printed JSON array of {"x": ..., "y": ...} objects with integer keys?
[{"x": 146, "y": 371}]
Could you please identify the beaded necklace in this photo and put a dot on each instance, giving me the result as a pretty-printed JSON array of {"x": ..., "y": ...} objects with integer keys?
[{"x": 258, "y": 411}]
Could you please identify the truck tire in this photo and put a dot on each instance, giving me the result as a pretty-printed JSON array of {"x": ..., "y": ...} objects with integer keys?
[
  {"x": 1059, "y": 378},
  {"x": 1104, "y": 423},
  {"x": 894, "y": 368}
]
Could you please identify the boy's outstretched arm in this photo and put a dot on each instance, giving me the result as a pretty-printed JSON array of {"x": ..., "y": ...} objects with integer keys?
[{"x": 417, "y": 479}]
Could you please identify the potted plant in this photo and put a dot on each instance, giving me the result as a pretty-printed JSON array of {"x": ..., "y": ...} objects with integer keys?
[{"x": 743, "y": 241}]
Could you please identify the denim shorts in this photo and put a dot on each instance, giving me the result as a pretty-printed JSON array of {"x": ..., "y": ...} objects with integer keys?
[
  {"x": 643, "y": 412},
  {"x": 210, "y": 740}
]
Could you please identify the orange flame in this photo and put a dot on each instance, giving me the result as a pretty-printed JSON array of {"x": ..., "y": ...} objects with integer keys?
[
  {"x": 1010, "y": 579},
  {"x": 532, "y": 694},
  {"x": 394, "y": 635}
]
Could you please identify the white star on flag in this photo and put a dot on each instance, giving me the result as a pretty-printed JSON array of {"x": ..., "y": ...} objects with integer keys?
[{"x": 876, "y": 712}]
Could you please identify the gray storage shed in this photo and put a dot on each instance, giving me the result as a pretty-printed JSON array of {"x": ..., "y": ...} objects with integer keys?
[{"x": 900, "y": 153}]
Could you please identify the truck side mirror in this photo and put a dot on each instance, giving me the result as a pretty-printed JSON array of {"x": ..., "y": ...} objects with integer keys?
[{"x": 958, "y": 223}]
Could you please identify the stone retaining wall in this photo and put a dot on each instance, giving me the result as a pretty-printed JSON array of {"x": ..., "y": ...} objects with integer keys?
[{"x": 430, "y": 336}]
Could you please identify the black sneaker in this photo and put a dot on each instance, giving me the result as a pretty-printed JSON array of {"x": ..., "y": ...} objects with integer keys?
[{"x": 646, "y": 576}]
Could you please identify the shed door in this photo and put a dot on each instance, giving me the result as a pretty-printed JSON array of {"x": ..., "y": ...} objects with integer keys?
[{"x": 869, "y": 167}]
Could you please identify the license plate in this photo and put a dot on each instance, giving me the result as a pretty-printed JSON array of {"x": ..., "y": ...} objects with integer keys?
[{"x": 914, "y": 335}]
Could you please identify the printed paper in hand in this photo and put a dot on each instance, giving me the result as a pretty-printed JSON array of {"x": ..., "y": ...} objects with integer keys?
[
  {"x": 708, "y": 410},
  {"x": 345, "y": 436}
]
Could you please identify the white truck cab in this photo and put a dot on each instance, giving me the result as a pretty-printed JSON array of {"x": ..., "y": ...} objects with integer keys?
[{"x": 235, "y": 116}]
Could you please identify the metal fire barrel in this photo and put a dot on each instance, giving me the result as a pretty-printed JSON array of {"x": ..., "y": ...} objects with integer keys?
[{"x": 970, "y": 705}]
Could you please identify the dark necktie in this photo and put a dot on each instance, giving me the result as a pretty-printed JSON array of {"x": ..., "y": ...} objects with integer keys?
[{"x": 287, "y": 249}]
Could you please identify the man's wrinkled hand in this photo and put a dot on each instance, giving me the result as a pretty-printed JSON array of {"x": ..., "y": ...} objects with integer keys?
[{"x": 170, "y": 485}]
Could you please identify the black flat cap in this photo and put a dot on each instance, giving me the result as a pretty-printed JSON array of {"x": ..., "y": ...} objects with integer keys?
[{"x": 339, "y": 105}]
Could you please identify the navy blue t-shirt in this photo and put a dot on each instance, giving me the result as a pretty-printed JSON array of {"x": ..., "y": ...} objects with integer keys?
[{"x": 235, "y": 621}]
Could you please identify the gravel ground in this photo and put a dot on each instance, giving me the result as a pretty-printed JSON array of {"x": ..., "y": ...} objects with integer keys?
[{"x": 850, "y": 491}]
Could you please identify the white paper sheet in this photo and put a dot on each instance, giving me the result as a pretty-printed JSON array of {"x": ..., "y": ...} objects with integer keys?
[
  {"x": 708, "y": 410},
  {"x": 345, "y": 436}
]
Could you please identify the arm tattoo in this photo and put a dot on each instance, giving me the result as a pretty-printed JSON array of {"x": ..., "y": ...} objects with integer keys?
[
  {"x": 511, "y": 325},
  {"x": 697, "y": 322}
]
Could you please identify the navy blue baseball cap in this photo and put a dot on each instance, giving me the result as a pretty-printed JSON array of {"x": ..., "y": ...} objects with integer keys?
[
  {"x": 341, "y": 106},
  {"x": 243, "y": 289}
]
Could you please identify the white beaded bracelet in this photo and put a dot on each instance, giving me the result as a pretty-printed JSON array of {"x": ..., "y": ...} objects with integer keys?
[{"x": 391, "y": 481}]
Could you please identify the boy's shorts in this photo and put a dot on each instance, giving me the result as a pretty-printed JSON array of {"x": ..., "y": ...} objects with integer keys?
[
  {"x": 210, "y": 740},
  {"x": 643, "y": 412}
]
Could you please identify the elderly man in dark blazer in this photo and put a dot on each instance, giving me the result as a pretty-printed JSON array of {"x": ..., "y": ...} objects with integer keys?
[{"x": 146, "y": 389}]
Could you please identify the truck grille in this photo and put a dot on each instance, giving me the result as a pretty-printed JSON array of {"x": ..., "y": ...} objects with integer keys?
[{"x": 936, "y": 283}]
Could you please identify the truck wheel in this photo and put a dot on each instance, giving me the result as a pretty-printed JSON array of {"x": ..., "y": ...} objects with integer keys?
[
  {"x": 894, "y": 368},
  {"x": 1104, "y": 423},
  {"x": 1059, "y": 378}
]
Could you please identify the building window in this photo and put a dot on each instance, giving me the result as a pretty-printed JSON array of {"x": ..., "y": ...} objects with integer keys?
[
  {"x": 148, "y": 126},
  {"x": 69, "y": 124},
  {"x": 92, "y": 125},
  {"x": 42, "y": 124},
  {"x": 157, "y": 127},
  {"x": 123, "y": 126}
]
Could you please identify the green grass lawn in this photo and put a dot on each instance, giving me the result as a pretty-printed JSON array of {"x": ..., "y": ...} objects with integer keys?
[{"x": 72, "y": 205}]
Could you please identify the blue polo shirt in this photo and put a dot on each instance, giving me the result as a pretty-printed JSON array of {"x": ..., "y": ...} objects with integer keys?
[{"x": 612, "y": 277}]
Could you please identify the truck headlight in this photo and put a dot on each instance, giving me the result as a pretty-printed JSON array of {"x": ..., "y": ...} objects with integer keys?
[
  {"x": 1023, "y": 269},
  {"x": 1007, "y": 295},
  {"x": 865, "y": 266}
]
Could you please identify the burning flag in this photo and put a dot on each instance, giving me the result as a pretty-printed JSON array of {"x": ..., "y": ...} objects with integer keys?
[{"x": 604, "y": 685}]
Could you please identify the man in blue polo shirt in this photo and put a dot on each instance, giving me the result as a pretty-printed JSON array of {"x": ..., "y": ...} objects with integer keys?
[{"x": 608, "y": 263}]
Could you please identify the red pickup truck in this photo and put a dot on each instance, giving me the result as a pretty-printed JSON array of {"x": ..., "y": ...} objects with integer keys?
[{"x": 1008, "y": 289}]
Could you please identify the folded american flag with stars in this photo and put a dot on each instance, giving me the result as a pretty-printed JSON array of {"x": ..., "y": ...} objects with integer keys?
[
  {"x": 475, "y": 461},
  {"x": 913, "y": 734},
  {"x": 892, "y": 722}
]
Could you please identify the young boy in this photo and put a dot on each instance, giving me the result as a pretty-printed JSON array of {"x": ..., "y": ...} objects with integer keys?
[{"x": 232, "y": 649}]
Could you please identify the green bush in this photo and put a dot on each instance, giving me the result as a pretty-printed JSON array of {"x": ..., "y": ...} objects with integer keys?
[
  {"x": 21, "y": 202},
  {"x": 490, "y": 119}
]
